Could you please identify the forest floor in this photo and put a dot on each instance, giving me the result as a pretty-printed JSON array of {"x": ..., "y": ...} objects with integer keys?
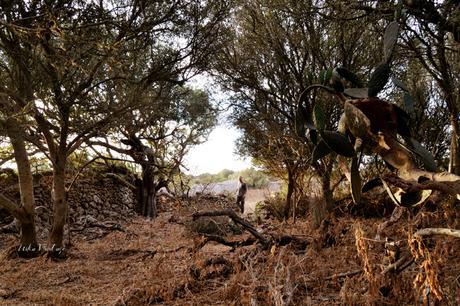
[{"x": 166, "y": 261}]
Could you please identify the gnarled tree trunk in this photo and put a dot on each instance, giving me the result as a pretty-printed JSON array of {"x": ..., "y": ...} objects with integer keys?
[
  {"x": 147, "y": 189},
  {"x": 149, "y": 208},
  {"x": 59, "y": 196},
  {"x": 454, "y": 162},
  {"x": 26, "y": 212},
  {"x": 290, "y": 191}
]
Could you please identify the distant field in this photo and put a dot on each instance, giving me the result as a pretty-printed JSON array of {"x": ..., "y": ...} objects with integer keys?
[{"x": 231, "y": 187}]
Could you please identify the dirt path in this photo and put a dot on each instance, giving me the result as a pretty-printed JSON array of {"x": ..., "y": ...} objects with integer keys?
[{"x": 253, "y": 197}]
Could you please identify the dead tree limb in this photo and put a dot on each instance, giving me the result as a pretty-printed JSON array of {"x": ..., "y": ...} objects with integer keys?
[
  {"x": 230, "y": 213},
  {"x": 398, "y": 264},
  {"x": 345, "y": 274},
  {"x": 438, "y": 231},
  {"x": 222, "y": 240},
  {"x": 448, "y": 187}
]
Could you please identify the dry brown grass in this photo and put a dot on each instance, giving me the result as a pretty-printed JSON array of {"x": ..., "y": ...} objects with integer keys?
[{"x": 157, "y": 262}]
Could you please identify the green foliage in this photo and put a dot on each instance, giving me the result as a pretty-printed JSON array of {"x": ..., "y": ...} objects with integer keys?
[
  {"x": 319, "y": 118},
  {"x": 355, "y": 181},
  {"x": 389, "y": 40},
  {"x": 379, "y": 79},
  {"x": 208, "y": 178},
  {"x": 39, "y": 164},
  {"x": 350, "y": 76},
  {"x": 254, "y": 178},
  {"x": 425, "y": 156},
  {"x": 321, "y": 150},
  {"x": 357, "y": 93},
  {"x": 408, "y": 103},
  {"x": 325, "y": 76},
  {"x": 338, "y": 143},
  {"x": 274, "y": 207},
  {"x": 399, "y": 83}
]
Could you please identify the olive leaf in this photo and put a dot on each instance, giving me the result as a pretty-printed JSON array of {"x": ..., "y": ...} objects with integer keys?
[
  {"x": 328, "y": 75},
  {"x": 350, "y": 76},
  {"x": 390, "y": 193},
  {"x": 399, "y": 83},
  {"x": 375, "y": 182},
  {"x": 355, "y": 181},
  {"x": 300, "y": 119},
  {"x": 357, "y": 93},
  {"x": 325, "y": 75},
  {"x": 408, "y": 103},
  {"x": 321, "y": 150},
  {"x": 389, "y": 40},
  {"x": 303, "y": 120},
  {"x": 313, "y": 136},
  {"x": 379, "y": 79},
  {"x": 414, "y": 198},
  {"x": 338, "y": 143},
  {"x": 319, "y": 118},
  {"x": 424, "y": 155}
]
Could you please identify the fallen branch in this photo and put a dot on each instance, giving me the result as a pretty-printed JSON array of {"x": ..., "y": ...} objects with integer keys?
[
  {"x": 345, "y": 274},
  {"x": 230, "y": 213},
  {"x": 298, "y": 242},
  {"x": 447, "y": 187},
  {"x": 222, "y": 240},
  {"x": 398, "y": 264},
  {"x": 437, "y": 231},
  {"x": 406, "y": 265}
]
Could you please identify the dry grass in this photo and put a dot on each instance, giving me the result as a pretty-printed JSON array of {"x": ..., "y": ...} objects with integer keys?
[{"x": 158, "y": 262}]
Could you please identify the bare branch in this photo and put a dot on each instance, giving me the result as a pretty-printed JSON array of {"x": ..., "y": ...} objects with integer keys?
[{"x": 438, "y": 231}]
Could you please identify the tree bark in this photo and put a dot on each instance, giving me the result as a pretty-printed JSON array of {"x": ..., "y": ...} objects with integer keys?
[
  {"x": 437, "y": 231},
  {"x": 326, "y": 190},
  {"x": 60, "y": 205},
  {"x": 26, "y": 213},
  {"x": 290, "y": 191},
  {"x": 321, "y": 207},
  {"x": 148, "y": 199},
  {"x": 454, "y": 162}
]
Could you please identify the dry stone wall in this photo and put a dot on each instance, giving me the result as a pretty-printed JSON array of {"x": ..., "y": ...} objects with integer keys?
[{"x": 95, "y": 196}]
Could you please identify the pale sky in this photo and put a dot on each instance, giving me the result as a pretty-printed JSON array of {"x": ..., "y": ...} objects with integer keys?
[{"x": 217, "y": 153}]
